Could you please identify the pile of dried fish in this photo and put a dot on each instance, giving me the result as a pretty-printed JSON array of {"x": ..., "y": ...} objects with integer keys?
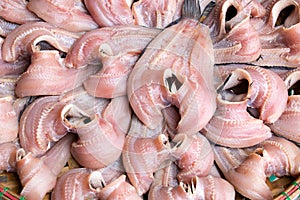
[{"x": 185, "y": 99}]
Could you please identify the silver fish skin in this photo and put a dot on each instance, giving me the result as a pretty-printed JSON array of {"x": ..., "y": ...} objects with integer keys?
[
  {"x": 70, "y": 15},
  {"x": 77, "y": 183},
  {"x": 176, "y": 69},
  {"x": 38, "y": 175},
  {"x": 101, "y": 136}
]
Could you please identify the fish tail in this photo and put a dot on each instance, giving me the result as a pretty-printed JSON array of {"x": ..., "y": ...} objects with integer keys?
[{"x": 191, "y": 9}]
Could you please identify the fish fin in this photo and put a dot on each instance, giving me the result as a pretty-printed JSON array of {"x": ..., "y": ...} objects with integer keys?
[{"x": 191, "y": 9}]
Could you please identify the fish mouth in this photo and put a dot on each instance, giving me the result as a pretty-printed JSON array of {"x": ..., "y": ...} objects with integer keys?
[
  {"x": 172, "y": 81},
  {"x": 285, "y": 14},
  {"x": 236, "y": 87},
  {"x": 72, "y": 117}
]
